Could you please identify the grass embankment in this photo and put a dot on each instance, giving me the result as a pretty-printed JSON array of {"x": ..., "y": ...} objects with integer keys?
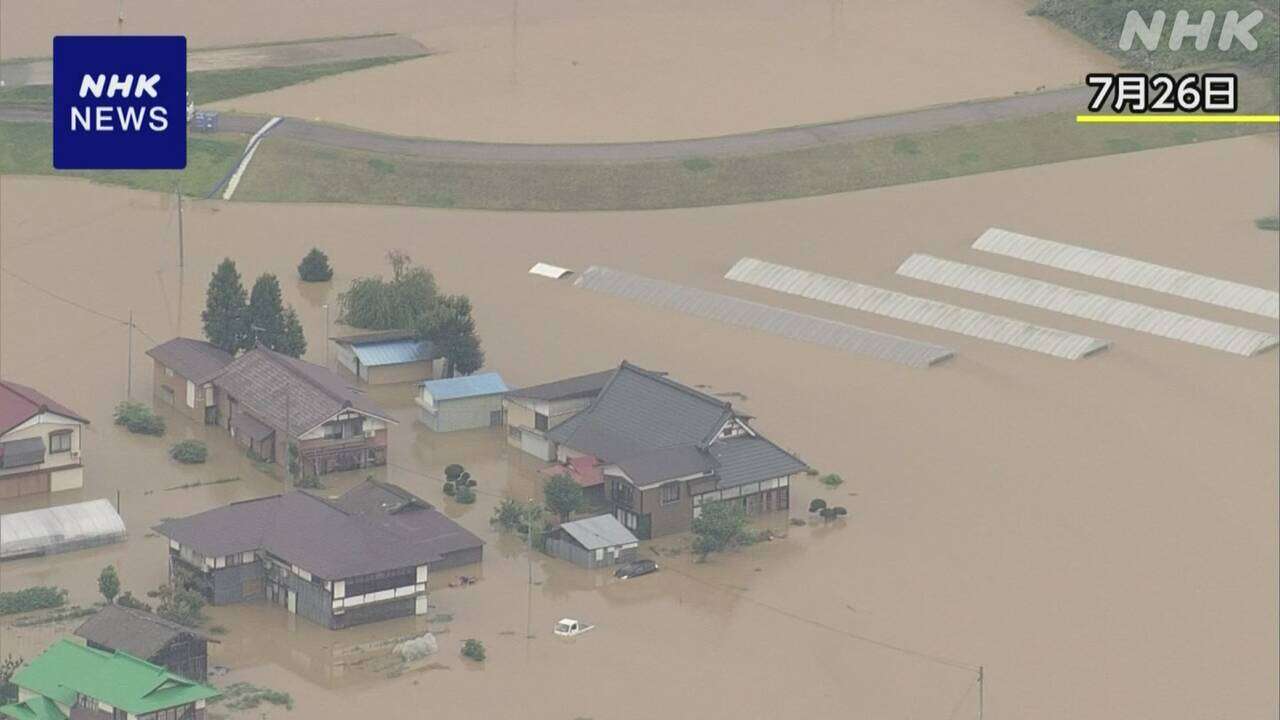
[
  {"x": 209, "y": 86},
  {"x": 1101, "y": 21},
  {"x": 287, "y": 170},
  {"x": 27, "y": 149}
]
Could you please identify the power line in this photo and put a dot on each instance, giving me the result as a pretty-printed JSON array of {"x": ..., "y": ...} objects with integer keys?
[{"x": 123, "y": 321}]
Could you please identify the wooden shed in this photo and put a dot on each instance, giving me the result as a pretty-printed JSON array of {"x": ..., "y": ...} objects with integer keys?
[{"x": 593, "y": 542}]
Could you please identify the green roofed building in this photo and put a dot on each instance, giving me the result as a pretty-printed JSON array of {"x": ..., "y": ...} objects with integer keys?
[{"x": 69, "y": 681}]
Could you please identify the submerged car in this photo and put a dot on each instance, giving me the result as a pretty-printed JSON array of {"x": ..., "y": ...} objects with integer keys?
[{"x": 636, "y": 569}]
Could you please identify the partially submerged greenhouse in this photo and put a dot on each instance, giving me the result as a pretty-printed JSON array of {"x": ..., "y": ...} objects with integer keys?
[{"x": 59, "y": 529}]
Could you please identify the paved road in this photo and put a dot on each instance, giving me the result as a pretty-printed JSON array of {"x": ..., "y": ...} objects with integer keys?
[
  {"x": 756, "y": 143},
  {"x": 308, "y": 52}
]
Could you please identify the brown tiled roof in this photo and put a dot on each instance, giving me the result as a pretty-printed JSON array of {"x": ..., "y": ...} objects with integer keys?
[
  {"x": 355, "y": 534},
  {"x": 139, "y": 633},
  {"x": 195, "y": 360},
  {"x": 19, "y": 403},
  {"x": 278, "y": 389}
]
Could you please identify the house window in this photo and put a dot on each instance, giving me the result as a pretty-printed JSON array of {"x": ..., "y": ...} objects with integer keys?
[
  {"x": 540, "y": 421},
  {"x": 60, "y": 441},
  {"x": 166, "y": 393},
  {"x": 622, "y": 493},
  {"x": 670, "y": 493},
  {"x": 168, "y": 372}
]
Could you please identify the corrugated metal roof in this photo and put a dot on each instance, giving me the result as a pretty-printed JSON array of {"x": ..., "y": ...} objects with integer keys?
[
  {"x": 49, "y": 530},
  {"x": 900, "y": 306},
  {"x": 465, "y": 386},
  {"x": 391, "y": 352},
  {"x": 1087, "y": 305},
  {"x": 555, "y": 272},
  {"x": 793, "y": 325},
  {"x": 600, "y": 531},
  {"x": 1138, "y": 273},
  {"x": 744, "y": 460}
]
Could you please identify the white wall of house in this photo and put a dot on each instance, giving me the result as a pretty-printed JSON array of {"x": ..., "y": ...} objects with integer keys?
[
  {"x": 371, "y": 424},
  {"x": 42, "y": 426}
]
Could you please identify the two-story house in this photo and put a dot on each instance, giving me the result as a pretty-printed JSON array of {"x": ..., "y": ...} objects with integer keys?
[
  {"x": 267, "y": 401},
  {"x": 358, "y": 558},
  {"x": 530, "y": 412},
  {"x": 72, "y": 681},
  {"x": 40, "y": 443},
  {"x": 666, "y": 449}
]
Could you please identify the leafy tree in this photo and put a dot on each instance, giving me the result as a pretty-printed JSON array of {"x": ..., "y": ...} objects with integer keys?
[
  {"x": 720, "y": 526},
  {"x": 508, "y": 515},
  {"x": 225, "y": 309},
  {"x": 179, "y": 603},
  {"x": 563, "y": 496},
  {"x": 400, "y": 303},
  {"x": 109, "y": 583},
  {"x": 10, "y": 665},
  {"x": 266, "y": 313},
  {"x": 293, "y": 342},
  {"x": 449, "y": 327},
  {"x": 473, "y": 649},
  {"x": 315, "y": 266}
]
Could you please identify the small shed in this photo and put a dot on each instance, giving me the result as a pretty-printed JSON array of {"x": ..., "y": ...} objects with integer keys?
[
  {"x": 392, "y": 356},
  {"x": 59, "y": 529},
  {"x": 145, "y": 635},
  {"x": 462, "y": 403},
  {"x": 593, "y": 542}
]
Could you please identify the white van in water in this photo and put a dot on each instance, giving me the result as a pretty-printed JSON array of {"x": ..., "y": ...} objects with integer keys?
[{"x": 568, "y": 627}]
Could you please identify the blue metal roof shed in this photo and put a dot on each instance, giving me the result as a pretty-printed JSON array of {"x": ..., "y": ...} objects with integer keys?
[
  {"x": 391, "y": 352},
  {"x": 463, "y": 403}
]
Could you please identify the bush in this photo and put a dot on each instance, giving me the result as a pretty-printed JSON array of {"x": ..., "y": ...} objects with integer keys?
[
  {"x": 450, "y": 489},
  {"x": 721, "y": 525},
  {"x": 139, "y": 418},
  {"x": 315, "y": 267},
  {"x": 453, "y": 472},
  {"x": 466, "y": 495},
  {"x": 109, "y": 583},
  {"x": 38, "y": 597},
  {"x": 189, "y": 452},
  {"x": 473, "y": 649},
  {"x": 509, "y": 514},
  {"x": 127, "y": 599},
  {"x": 831, "y": 513},
  {"x": 817, "y": 505},
  {"x": 831, "y": 480},
  {"x": 1268, "y": 223}
]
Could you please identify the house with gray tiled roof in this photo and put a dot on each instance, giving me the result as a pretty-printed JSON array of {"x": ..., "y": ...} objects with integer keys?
[
  {"x": 267, "y": 400},
  {"x": 665, "y": 450}
]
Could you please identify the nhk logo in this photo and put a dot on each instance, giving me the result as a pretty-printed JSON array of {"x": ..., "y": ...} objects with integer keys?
[{"x": 118, "y": 102}]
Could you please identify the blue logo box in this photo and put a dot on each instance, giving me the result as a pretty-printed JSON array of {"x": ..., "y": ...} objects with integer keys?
[{"x": 119, "y": 102}]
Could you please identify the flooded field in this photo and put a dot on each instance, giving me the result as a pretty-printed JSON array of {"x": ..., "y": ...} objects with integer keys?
[
  {"x": 568, "y": 70},
  {"x": 1099, "y": 535}
]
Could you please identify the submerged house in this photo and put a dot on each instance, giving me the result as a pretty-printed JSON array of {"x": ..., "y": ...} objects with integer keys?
[
  {"x": 72, "y": 681},
  {"x": 358, "y": 558},
  {"x": 665, "y": 450},
  {"x": 530, "y": 412},
  {"x": 176, "y": 648},
  {"x": 462, "y": 403},
  {"x": 267, "y": 400},
  {"x": 40, "y": 443},
  {"x": 388, "y": 356}
]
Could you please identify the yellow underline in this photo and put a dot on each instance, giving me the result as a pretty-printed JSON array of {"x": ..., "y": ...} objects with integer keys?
[{"x": 1178, "y": 119}]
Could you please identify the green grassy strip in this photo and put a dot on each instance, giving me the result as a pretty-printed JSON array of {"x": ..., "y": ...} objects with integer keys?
[
  {"x": 1268, "y": 223},
  {"x": 210, "y": 86},
  {"x": 1101, "y": 21},
  {"x": 26, "y": 149}
]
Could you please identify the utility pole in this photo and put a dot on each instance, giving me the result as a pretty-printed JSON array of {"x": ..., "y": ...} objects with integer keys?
[
  {"x": 181, "y": 253},
  {"x": 528, "y": 623},
  {"x": 129, "y": 381},
  {"x": 980, "y": 689}
]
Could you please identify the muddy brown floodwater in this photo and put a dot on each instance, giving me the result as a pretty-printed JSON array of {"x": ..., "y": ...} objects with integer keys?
[
  {"x": 1100, "y": 535},
  {"x": 578, "y": 71}
]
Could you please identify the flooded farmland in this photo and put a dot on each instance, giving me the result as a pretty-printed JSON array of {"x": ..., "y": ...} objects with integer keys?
[
  {"x": 568, "y": 70},
  {"x": 1099, "y": 535}
]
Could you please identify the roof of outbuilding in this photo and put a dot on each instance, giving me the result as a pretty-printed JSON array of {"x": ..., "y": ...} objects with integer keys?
[
  {"x": 567, "y": 389},
  {"x": 465, "y": 386},
  {"x": 393, "y": 352},
  {"x": 19, "y": 403},
  {"x": 136, "y": 686},
  {"x": 600, "y": 531},
  {"x": 742, "y": 460},
  {"x": 278, "y": 389},
  {"x": 375, "y": 336},
  {"x": 139, "y": 633},
  {"x": 195, "y": 360},
  {"x": 33, "y": 708},
  {"x": 356, "y": 534}
]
